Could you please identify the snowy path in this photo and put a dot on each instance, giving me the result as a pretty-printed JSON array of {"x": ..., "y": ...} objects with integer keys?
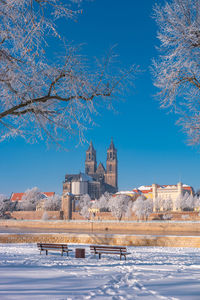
[{"x": 149, "y": 273}]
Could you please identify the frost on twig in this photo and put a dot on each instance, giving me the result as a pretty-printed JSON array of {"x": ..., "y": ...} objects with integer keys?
[
  {"x": 177, "y": 70},
  {"x": 41, "y": 98}
]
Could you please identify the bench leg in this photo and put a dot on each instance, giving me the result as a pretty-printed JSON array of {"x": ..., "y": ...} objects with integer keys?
[
  {"x": 67, "y": 253},
  {"x": 62, "y": 253},
  {"x": 46, "y": 252},
  {"x": 99, "y": 255}
]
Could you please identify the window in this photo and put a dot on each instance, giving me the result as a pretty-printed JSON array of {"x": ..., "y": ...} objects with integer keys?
[
  {"x": 110, "y": 154},
  {"x": 89, "y": 155},
  {"x": 110, "y": 168}
]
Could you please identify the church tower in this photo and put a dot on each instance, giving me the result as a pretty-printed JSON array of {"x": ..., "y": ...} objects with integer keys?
[
  {"x": 111, "y": 166},
  {"x": 90, "y": 162}
]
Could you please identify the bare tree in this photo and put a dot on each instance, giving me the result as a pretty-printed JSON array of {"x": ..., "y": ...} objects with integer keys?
[
  {"x": 40, "y": 98},
  {"x": 177, "y": 69}
]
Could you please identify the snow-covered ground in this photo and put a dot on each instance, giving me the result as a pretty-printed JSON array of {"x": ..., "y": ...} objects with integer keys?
[{"x": 149, "y": 273}]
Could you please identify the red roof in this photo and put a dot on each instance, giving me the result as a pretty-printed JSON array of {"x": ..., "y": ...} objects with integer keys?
[{"x": 18, "y": 196}]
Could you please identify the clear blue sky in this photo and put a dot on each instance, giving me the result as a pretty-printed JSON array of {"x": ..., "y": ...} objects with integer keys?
[{"x": 151, "y": 148}]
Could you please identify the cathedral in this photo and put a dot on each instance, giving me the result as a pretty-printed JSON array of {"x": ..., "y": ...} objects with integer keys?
[{"x": 96, "y": 180}]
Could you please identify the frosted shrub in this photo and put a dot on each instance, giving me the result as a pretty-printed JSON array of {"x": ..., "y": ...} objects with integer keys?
[
  {"x": 45, "y": 216},
  {"x": 167, "y": 217},
  {"x": 185, "y": 217}
]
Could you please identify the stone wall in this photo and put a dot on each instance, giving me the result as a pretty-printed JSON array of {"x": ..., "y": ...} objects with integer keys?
[
  {"x": 103, "y": 226},
  {"x": 175, "y": 216},
  {"x": 35, "y": 215},
  {"x": 106, "y": 239}
]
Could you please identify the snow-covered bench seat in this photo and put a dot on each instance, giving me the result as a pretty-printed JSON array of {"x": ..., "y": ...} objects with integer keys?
[
  {"x": 53, "y": 247},
  {"x": 118, "y": 250}
]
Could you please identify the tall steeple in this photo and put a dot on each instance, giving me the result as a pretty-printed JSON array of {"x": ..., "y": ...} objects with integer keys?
[
  {"x": 111, "y": 166},
  {"x": 90, "y": 162}
]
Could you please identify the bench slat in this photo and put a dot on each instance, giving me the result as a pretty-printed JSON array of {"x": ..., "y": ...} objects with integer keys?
[
  {"x": 53, "y": 247},
  {"x": 119, "y": 250}
]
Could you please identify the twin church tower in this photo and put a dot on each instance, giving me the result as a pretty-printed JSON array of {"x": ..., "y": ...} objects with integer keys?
[
  {"x": 108, "y": 175},
  {"x": 96, "y": 180}
]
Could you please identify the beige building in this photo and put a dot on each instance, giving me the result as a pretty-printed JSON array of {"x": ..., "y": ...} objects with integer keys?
[{"x": 172, "y": 192}]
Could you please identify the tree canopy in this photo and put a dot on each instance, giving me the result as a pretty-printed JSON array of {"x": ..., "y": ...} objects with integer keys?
[
  {"x": 177, "y": 69},
  {"x": 41, "y": 97}
]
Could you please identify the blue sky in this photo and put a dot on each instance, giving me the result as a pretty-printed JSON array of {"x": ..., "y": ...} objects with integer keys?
[{"x": 151, "y": 148}]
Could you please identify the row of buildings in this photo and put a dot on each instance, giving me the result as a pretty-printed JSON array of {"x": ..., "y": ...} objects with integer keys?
[{"x": 97, "y": 179}]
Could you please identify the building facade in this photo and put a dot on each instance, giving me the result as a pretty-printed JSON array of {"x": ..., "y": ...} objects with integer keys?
[
  {"x": 96, "y": 180},
  {"x": 163, "y": 192}
]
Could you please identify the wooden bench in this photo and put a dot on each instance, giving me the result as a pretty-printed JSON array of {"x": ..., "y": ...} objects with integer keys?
[
  {"x": 53, "y": 247},
  {"x": 119, "y": 250}
]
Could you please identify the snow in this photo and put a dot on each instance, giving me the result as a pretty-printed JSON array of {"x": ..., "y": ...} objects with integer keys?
[
  {"x": 149, "y": 273},
  {"x": 145, "y": 188},
  {"x": 125, "y": 192}
]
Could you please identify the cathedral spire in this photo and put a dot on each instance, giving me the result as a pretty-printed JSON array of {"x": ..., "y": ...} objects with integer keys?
[
  {"x": 90, "y": 162},
  {"x": 111, "y": 166},
  {"x": 111, "y": 147},
  {"x": 91, "y": 148}
]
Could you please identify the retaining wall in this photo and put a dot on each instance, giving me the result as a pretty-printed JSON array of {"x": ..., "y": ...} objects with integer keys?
[
  {"x": 149, "y": 227},
  {"x": 35, "y": 215},
  {"x": 107, "y": 239}
]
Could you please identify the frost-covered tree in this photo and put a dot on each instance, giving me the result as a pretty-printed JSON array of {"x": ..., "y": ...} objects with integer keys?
[
  {"x": 84, "y": 205},
  {"x": 31, "y": 198},
  {"x": 5, "y": 205},
  {"x": 53, "y": 203},
  {"x": 143, "y": 207},
  {"x": 119, "y": 205},
  {"x": 197, "y": 202},
  {"x": 157, "y": 204},
  {"x": 185, "y": 202},
  {"x": 177, "y": 69},
  {"x": 167, "y": 204},
  {"x": 43, "y": 94},
  {"x": 45, "y": 216},
  {"x": 103, "y": 202}
]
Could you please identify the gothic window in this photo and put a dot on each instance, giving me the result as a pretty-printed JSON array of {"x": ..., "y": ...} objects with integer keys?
[
  {"x": 110, "y": 168},
  {"x": 89, "y": 155},
  {"x": 110, "y": 154}
]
